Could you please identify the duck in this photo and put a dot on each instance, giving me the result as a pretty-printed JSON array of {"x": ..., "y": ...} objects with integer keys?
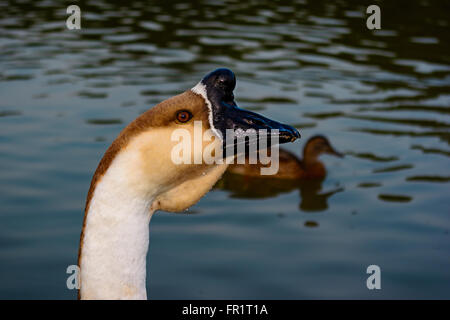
[
  {"x": 291, "y": 167},
  {"x": 312, "y": 197},
  {"x": 137, "y": 177}
]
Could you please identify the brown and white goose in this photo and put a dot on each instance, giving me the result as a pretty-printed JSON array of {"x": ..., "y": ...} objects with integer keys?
[{"x": 137, "y": 177}]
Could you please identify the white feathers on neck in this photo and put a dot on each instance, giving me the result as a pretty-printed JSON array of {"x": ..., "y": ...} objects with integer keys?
[
  {"x": 116, "y": 237},
  {"x": 200, "y": 89}
]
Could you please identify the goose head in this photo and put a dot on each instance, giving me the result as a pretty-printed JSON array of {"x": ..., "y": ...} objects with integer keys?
[
  {"x": 142, "y": 155},
  {"x": 216, "y": 88}
]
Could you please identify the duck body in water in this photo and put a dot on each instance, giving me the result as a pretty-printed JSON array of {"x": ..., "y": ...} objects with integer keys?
[{"x": 292, "y": 167}]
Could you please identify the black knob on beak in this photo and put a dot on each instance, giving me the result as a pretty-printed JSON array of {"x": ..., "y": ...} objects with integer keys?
[{"x": 221, "y": 83}]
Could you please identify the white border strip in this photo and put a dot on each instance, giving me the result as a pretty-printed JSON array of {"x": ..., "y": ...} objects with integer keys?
[{"x": 200, "y": 89}]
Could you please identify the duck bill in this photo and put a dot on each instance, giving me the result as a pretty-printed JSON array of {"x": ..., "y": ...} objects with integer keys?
[{"x": 335, "y": 153}]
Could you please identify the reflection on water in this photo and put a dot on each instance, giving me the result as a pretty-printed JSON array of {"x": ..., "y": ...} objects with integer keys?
[
  {"x": 381, "y": 96},
  {"x": 394, "y": 198},
  {"x": 371, "y": 156},
  {"x": 309, "y": 191},
  {"x": 369, "y": 184},
  {"x": 394, "y": 168},
  {"x": 104, "y": 121}
]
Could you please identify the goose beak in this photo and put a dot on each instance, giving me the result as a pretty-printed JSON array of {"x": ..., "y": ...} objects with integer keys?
[
  {"x": 240, "y": 119},
  {"x": 217, "y": 88}
]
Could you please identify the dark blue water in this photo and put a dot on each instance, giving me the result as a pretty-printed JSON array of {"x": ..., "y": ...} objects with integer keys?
[{"x": 381, "y": 97}]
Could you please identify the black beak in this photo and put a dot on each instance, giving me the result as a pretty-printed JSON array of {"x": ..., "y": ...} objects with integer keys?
[
  {"x": 226, "y": 115},
  {"x": 242, "y": 120}
]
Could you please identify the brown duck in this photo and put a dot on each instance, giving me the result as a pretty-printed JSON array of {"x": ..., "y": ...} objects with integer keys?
[{"x": 291, "y": 167}]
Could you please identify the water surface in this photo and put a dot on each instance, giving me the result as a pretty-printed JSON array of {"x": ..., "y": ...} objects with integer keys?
[{"x": 381, "y": 97}]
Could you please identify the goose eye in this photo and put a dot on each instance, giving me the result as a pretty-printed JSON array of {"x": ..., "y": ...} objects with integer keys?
[{"x": 184, "y": 116}]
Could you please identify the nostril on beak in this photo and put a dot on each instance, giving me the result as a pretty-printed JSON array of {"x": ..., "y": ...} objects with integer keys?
[
  {"x": 248, "y": 121},
  {"x": 254, "y": 122}
]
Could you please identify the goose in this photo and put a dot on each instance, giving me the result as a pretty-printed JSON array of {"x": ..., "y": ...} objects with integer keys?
[
  {"x": 137, "y": 177},
  {"x": 292, "y": 167}
]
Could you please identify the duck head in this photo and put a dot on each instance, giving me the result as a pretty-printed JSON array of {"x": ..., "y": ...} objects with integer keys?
[
  {"x": 316, "y": 146},
  {"x": 142, "y": 157}
]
